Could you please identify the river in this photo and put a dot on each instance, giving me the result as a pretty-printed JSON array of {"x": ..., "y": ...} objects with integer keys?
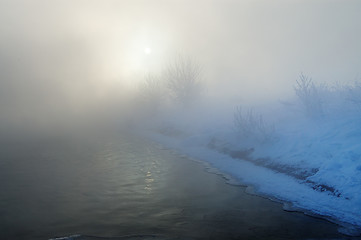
[{"x": 128, "y": 186}]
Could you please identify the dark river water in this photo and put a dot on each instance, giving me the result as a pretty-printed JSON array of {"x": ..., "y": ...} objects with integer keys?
[{"x": 127, "y": 186}]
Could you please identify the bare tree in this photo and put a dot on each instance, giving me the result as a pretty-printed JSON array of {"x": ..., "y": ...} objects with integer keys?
[
  {"x": 251, "y": 125},
  {"x": 183, "y": 80},
  {"x": 309, "y": 95}
]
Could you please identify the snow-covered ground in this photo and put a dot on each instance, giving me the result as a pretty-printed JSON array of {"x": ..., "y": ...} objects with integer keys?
[{"x": 301, "y": 153}]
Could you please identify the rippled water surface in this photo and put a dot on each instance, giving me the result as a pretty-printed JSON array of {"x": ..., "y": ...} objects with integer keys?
[{"x": 124, "y": 185}]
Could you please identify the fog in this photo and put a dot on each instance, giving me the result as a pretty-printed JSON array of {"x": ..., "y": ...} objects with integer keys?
[
  {"x": 70, "y": 63},
  {"x": 103, "y": 101}
]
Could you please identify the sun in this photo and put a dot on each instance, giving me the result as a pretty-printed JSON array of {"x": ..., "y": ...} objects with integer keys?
[{"x": 147, "y": 50}]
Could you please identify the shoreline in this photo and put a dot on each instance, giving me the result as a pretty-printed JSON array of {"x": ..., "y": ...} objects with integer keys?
[{"x": 345, "y": 228}]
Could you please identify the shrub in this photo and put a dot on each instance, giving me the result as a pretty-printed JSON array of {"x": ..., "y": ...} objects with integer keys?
[
  {"x": 309, "y": 95},
  {"x": 251, "y": 125}
]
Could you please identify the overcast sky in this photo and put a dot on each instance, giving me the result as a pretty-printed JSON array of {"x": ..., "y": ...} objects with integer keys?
[{"x": 65, "y": 57}]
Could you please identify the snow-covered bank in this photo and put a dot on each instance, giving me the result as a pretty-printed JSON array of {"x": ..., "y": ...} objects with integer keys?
[
  {"x": 306, "y": 150},
  {"x": 273, "y": 184}
]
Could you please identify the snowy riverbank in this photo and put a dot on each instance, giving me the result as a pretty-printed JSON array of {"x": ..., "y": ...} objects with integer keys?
[
  {"x": 311, "y": 191},
  {"x": 305, "y": 151}
]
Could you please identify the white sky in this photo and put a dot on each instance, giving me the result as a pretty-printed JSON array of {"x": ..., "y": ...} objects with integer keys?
[{"x": 75, "y": 52}]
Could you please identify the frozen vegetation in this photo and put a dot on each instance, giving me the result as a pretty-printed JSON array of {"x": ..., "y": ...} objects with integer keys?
[{"x": 304, "y": 151}]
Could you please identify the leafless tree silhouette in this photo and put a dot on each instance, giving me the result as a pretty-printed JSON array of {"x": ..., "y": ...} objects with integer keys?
[
  {"x": 183, "y": 79},
  {"x": 309, "y": 95},
  {"x": 252, "y": 125}
]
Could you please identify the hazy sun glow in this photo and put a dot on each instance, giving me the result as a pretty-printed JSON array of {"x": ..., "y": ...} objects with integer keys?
[
  {"x": 141, "y": 51},
  {"x": 147, "y": 50}
]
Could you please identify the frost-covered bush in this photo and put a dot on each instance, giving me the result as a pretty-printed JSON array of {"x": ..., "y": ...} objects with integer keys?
[
  {"x": 252, "y": 126},
  {"x": 339, "y": 99},
  {"x": 309, "y": 96}
]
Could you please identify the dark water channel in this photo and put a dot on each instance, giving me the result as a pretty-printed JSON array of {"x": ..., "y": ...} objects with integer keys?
[{"x": 117, "y": 186}]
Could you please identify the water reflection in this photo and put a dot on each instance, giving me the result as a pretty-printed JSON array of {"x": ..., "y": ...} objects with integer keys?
[
  {"x": 125, "y": 185},
  {"x": 148, "y": 181}
]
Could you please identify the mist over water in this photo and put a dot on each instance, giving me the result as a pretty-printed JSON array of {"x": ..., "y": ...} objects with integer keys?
[
  {"x": 264, "y": 80},
  {"x": 123, "y": 186}
]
